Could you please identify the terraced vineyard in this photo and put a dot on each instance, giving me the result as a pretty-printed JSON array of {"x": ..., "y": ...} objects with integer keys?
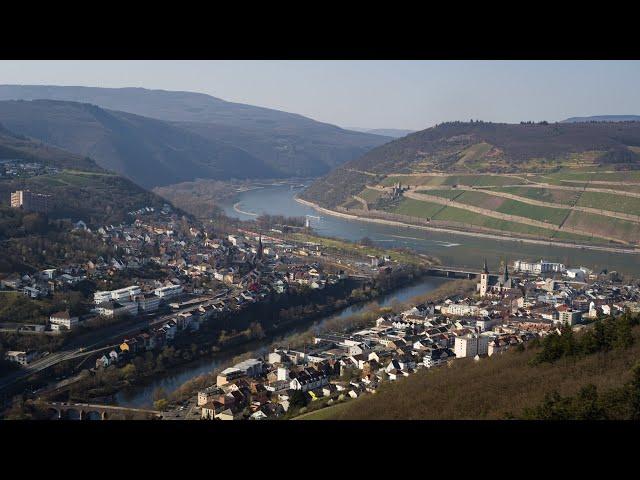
[
  {"x": 555, "y": 181},
  {"x": 565, "y": 205}
]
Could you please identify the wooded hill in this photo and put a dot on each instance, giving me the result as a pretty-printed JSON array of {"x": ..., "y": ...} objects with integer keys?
[
  {"x": 81, "y": 190},
  {"x": 214, "y": 138}
]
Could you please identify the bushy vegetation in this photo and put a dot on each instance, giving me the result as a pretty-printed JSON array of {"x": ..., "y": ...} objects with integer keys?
[
  {"x": 621, "y": 403},
  {"x": 33, "y": 241},
  {"x": 605, "y": 334}
]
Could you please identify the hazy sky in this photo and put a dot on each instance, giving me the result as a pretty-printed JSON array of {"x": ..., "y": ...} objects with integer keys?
[{"x": 372, "y": 94}]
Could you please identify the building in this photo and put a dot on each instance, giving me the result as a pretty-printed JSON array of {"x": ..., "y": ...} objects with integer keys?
[
  {"x": 207, "y": 395},
  {"x": 568, "y": 316},
  {"x": 208, "y": 411},
  {"x": 537, "y": 268},
  {"x": 62, "y": 320},
  {"x": 125, "y": 294},
  {"x": 21, "y": 358},
  {"x": 228, "y": 375},
  {"x": 308, "y": 379},
  {"x": 494, "y": 284},
  {"x": 169, "y": 291},
  {"x": 470, "y": 346},
  {"x": 116, "y": 309},
  {"x": 33, "y": 202},
  {"x": 147, "y": 302},
  {"x": 437, "y": 356},
  {"x": 460, "y": 309}
]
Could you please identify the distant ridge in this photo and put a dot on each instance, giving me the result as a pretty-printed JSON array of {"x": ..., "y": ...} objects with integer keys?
[
  {"x": 285, "y": 144},
  {"x": 604, "y": 118},
  {"x": 386, "y": 132},
  {"x": 146, "y": 150}
]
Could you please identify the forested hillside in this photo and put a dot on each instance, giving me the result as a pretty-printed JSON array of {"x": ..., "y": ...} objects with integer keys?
[
  {"x": 148, "y": 151},
  {"x": 285, "y": 144}
]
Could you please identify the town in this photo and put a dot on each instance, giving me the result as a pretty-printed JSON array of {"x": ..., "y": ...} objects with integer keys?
[
  {"x": 504, "y": 313},
  {"x": 166, "y": 278}
]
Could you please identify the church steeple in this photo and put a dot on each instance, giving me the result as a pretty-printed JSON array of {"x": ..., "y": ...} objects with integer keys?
[
  {"x": 260, "y": 248},
  {"x": 505, "y": 275},
  {"x": 484, "y": 268}
]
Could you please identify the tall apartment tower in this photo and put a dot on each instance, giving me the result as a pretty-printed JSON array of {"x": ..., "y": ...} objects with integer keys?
[{"x": 33, "y": 202}]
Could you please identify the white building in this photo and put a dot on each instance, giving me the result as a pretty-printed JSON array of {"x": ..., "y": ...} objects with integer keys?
[
  {"x": 169, "y": 291},
  {"x": 125, "y": 294},
  {"x": 460, "y": 309},
  {"x": 471, "y": 345},
  {"x": 537, "y": 267},
  {"x": 62, "y": 320},
  {"x": 116, "y": 309},
  {"x": 569, "y": 316},
  {"x": 21, "y": 358},
  {"x": 578, "y": 273},
  {"x": 147, "y": 302}
]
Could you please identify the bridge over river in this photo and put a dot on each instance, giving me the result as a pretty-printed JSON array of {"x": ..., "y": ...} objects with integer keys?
[
  {"x": 453, "y": 272},
  {"x": 91, "y": 411}
]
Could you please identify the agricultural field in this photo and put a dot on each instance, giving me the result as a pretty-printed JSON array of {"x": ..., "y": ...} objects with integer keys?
[
  {"x": 611, "y": 202},
  {"x": 626, "y": 188},
  {"x": 453, "y": 214},
  {"x": 565, "y": 197},
  {"x": 434, "y": 211},
  {"x": 450, "y": 194},
  {"x": 553, "y": 216},
  {"x": 416, "y": 208},
  {"x": 437, "y": 180},
  {"x": 555, "y": 181},
  {"x": 601, "y": 225},
  {"x": 524, "y": 186}
]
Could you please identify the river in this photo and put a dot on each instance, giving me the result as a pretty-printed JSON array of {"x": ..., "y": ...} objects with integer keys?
[
  {"x": 141, "y": 395},
  {"x": 450, "y": 248}
]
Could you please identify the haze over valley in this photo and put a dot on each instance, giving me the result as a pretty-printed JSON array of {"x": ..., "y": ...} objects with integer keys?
[{"x": 470, "y": 251}]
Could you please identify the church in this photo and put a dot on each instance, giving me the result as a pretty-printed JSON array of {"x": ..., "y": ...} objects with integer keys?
[{"x": 494, "y": 284}]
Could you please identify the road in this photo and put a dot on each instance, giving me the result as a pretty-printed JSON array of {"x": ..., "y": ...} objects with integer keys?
[{"x": 96, "y": 341}]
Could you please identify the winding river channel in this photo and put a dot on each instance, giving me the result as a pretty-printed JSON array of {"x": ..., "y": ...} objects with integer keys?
[
  {"x": 451, "y": 249},
  {"x": 141, "y": 395}
]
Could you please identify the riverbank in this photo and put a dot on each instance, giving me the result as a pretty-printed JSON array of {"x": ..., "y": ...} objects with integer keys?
[
  {"x": 144, "y": 374},
  {"x": 468, "y": 234},
  {"x": 346, "y": 324}
]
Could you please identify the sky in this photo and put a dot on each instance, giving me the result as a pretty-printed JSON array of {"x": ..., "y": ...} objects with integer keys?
[{"x": 372, "y": 94}]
